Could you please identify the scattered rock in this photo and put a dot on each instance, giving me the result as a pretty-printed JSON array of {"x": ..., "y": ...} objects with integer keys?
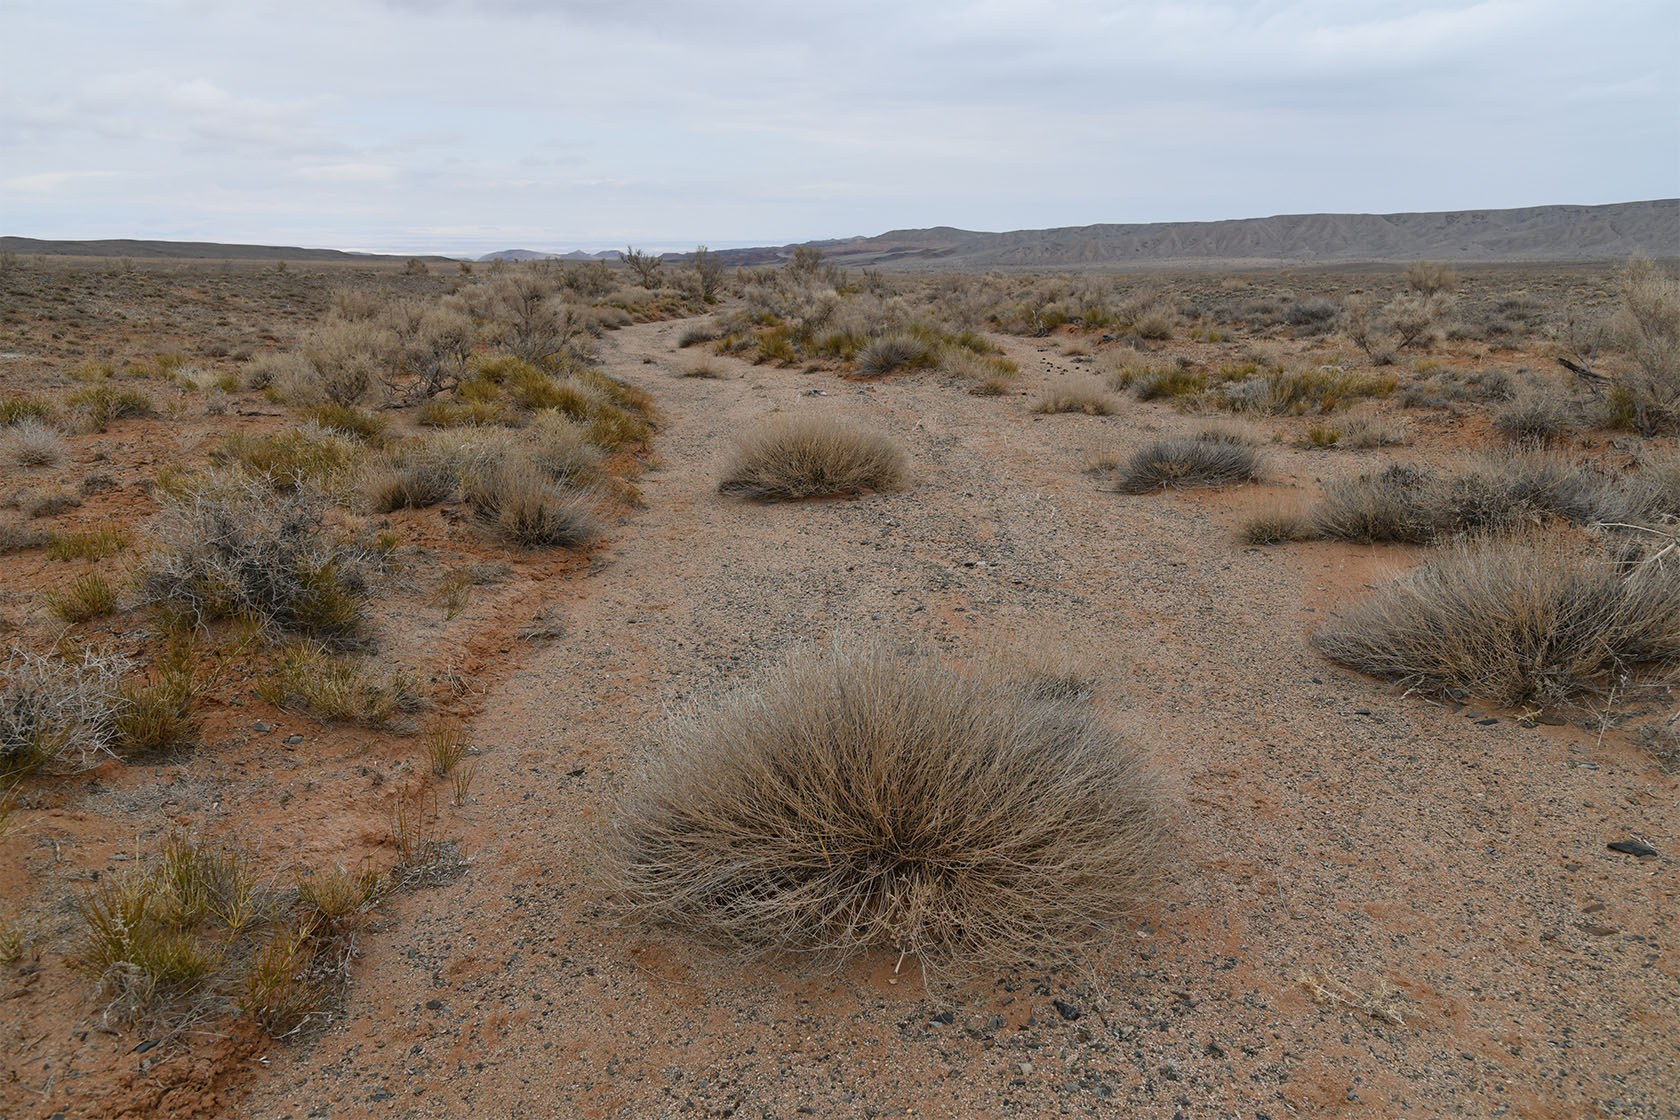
[
  {"x": 1066, "y": 1010},
  {"x": 1631, "y": 847}
]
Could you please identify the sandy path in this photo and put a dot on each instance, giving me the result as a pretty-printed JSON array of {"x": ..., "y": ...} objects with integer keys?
[{"x": 1327, "y": 826}]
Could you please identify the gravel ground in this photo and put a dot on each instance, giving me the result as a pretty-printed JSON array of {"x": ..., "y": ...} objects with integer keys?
[{"x": 1436, "y": 876}]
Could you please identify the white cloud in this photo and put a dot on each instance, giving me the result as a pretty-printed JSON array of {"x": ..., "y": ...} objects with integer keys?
[
  {"x": 47, "y": 181},
  {"x": 389, "y": 121}
]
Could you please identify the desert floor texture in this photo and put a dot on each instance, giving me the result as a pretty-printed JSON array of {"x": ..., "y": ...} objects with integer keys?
[{"x": 1377, "y": 904}]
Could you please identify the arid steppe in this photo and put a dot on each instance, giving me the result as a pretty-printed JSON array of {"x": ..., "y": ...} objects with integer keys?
[{"x": 1376, "y": 900}]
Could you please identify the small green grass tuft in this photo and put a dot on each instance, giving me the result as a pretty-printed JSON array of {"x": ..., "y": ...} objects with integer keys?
[{"x": 89, "y": 596}]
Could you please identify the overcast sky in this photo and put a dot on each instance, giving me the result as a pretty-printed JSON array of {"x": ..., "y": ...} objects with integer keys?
[{"x": 463, "y": 126}]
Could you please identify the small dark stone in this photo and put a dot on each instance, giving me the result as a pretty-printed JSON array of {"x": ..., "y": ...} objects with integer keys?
[
  {"x": 380, "y": 1095},
  {"x": 944, "y": 1019},
  {"x": 1632, "y": 848},
  {"x": 1066, "y": 1010},
  {"x": 263, "y": 727},
  {"x": 1213, "y": 1049},
  {"x": 1551, "y": 720},
  {"x": 145, "y": 1046},
  {"x": 434, "y": 1005},
  {"x": 578, "y": 773},
  {"x": 294, "y": 739},
  {"x": 1488, "y": 722}
]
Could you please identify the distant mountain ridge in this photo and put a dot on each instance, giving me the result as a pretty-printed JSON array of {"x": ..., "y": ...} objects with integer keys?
[
  {"x": 1531, "y": 234},
  {"x": 190, "y": 250},
  {"x": 537, "y": 255}
]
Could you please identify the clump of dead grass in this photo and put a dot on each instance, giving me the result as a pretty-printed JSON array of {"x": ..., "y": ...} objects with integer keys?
[
  {"x": 1188, "y": 461},
  {"x": 794, "y": 457},
  {"x": 1416, "y": 505},
  {"x": 31, "y": 443},
  {"x": 862, "y": 799},
  {"x": 526, "y": 507},
  {"x": 1515, "y": 619},
  {"x": 1087, "y": 399}
]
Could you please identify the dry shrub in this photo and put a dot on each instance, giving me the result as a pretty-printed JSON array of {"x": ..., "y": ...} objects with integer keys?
[
  {"x": 562, "y": 449},
  {"x": 861, "y": 799},
  {"x": 1415, "y": 505},
  {"x": 307, "y": 455},
  {"x": 359, "y": 424},
  {"x": 337, "y": 687},
  {"x": 527, "y": 508},
  {"x": 1535, "y": 417},
  {"x": 57, "y": 709},
  {"x": 1366, "y": 432},
  {"x": 987, "y": 375},
  {"x": 30, "y": 443},
  {"x": 1428, "y": 278},
  {"x": 158, "y": 939},
  {"x": 808, "y": 456},
  {"x": 1647, "y": 328},
  {"x": 893, "y": 353},
  {"x": 408, "y": 481},
  {"x": 237, "y": 549},
  {"x": 1087, "y": 399},
  {"x": 94, "y": 408},
  {"x": 1515, "y": 619},
  {"x": 348, "y": 361},
  {"x": 1185, "y": 461},
  {"x": 1276, "y": 523}
]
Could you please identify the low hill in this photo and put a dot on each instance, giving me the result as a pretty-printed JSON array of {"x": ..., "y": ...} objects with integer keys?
[
  {"x": 187, "y": 250},
  {"x": 1531, "y": 234}
]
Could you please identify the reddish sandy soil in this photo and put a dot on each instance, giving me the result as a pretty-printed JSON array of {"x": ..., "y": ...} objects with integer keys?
[{"x": 1436, "y": 874}]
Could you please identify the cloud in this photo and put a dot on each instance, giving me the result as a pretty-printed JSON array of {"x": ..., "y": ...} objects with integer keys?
[
  {"x": 375, "y": 121},
  {"x": 350, "y": 173},
  {"x": 47, "y": 181}
]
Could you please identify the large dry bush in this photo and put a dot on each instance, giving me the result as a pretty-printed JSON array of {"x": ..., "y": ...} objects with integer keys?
[
  {"x": 1647, "y": 327},
  {"x": 1515, "y": 619},
  {"x": 862, "y": 799},
  {"x": 236, "y": 548},
  {"x": 1414, "y": 504},
  {"x": 347, "y": 362},
  {"x": 809, "y": 456}
]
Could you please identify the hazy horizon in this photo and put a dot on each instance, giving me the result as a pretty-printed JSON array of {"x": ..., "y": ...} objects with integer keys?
[{"x": 460, "y": 128}]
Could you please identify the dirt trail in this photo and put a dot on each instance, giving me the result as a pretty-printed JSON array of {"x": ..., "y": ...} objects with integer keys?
[{"x": 1328, "y": 828}]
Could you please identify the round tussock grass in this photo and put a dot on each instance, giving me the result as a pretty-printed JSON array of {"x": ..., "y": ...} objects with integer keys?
[
  {"x": 1188, "y": 462},
  {"x": 893, "y": 353},
  {"x": 810, "y": 456},
  {"x": 525, "y": 507},
  {"x": 862, "y": 799},
  {"x": 1516, "y": 619}
]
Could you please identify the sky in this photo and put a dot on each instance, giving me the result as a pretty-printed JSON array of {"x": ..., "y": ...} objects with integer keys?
[{"x": 465, "y": 126}]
